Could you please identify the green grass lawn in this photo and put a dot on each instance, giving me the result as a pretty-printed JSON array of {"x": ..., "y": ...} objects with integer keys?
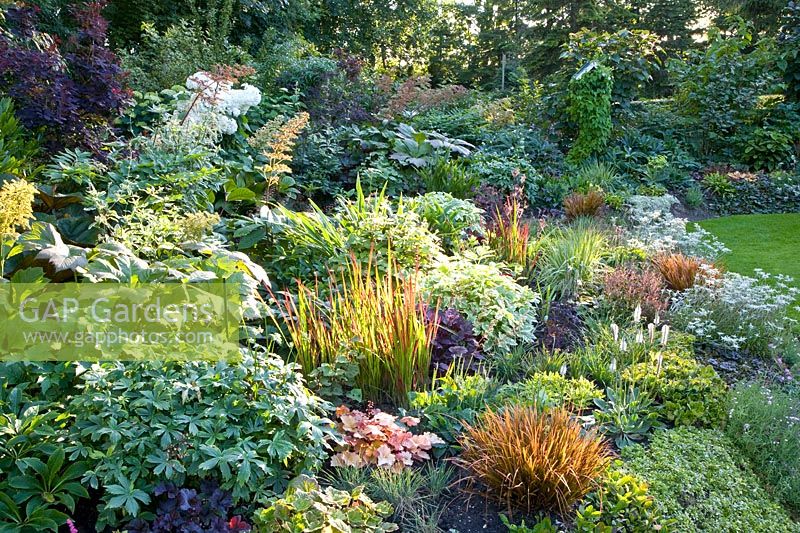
[{"x": 769, "y": 242}]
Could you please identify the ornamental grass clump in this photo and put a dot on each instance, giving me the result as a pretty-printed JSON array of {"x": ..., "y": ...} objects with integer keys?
[
  {"x": 533, "y": 460},
  {"x": 679, "y": 271},
  {"x": 572, "y": 258},
  {"x": 509, "y": 234},
  {"x": 587, "y": 204},
  {"x": 375, "y": 319}
]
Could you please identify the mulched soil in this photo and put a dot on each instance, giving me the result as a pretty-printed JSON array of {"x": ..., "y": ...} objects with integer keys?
[{"x": 733, "y": 367}]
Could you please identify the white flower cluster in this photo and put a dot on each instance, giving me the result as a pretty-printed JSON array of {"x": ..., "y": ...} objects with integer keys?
[
  {"x": 655, "y": 229},
  {"x": 219, "y": 101},
  {"x": 736, "y": 311}
]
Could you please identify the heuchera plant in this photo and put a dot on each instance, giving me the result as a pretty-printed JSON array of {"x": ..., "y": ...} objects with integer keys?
[
  {"x": 376, "y": 438},
  {"x": 185, "y": 509},
  {"x": 455, "y": 342}
]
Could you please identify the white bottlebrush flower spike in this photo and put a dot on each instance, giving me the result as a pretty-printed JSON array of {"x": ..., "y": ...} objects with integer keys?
[{"x": 664, "y": 334}]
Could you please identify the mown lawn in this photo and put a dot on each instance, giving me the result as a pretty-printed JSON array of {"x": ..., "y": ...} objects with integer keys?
[{"x": 769, "y": 242}]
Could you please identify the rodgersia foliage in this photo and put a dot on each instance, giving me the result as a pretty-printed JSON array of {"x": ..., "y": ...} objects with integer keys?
[{"x": 252, "y": 425}]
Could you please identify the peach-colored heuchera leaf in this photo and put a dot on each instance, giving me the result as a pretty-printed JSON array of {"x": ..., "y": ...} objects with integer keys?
[{"x": 377, "y": 438}]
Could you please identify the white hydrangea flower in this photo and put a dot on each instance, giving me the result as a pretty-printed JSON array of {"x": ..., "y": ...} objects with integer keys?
[{"x": 219, "y": 100}]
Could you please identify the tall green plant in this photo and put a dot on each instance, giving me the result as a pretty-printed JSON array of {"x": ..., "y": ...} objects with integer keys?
[
  {"x": 571, "y": 259},
  {"x": 590, "y": 108}
]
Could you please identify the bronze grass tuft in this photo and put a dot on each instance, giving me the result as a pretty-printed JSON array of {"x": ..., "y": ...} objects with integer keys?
[
  {"x": 584, "y": 204},
  {"x": 679, "y": 271},
  {"x": 532, "y": 460}
]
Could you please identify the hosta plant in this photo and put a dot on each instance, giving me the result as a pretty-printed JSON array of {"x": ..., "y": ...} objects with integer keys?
[{"x": 380, "y": 439}]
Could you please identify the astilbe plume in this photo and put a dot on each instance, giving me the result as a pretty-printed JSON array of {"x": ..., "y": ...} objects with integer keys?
[
  {"x": 380, "y": 439},
  {"x": 16, "y": 212},
  {"x": 416, "y": 91},
  {"x": 533, "y": 460},
  {"x": 587, "y": 204},
  {"x": 679, "y": 271},
  {"x": 276, "y": 140}
]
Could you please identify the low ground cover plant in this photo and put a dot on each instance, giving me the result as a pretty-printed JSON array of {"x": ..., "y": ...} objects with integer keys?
[
  {"x": 697, "y": 481},
  {"x": 764, "y": 423}
]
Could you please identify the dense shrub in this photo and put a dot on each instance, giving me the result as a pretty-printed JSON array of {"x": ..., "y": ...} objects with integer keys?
[
  {"x": 697, "y": 481},
  {"x": 765, "y": 424},
  {"x": 690, "y": 393},
  {"x": 590, "y": 108},
  {"x": 533, "y": 460},
  {"x": 17, "y": 146},
  {"x": 502, "y": 312},
  {"x": 162, "y": 60},
  {"x": 631, "y": 54},
  {"x": 145, "y": 423},
  {"x": 719, "y": 87},
  {"x": 72, "y": 87},
  {"x": 758, "y": 193},
  {"x": 550, "y": 388}
]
